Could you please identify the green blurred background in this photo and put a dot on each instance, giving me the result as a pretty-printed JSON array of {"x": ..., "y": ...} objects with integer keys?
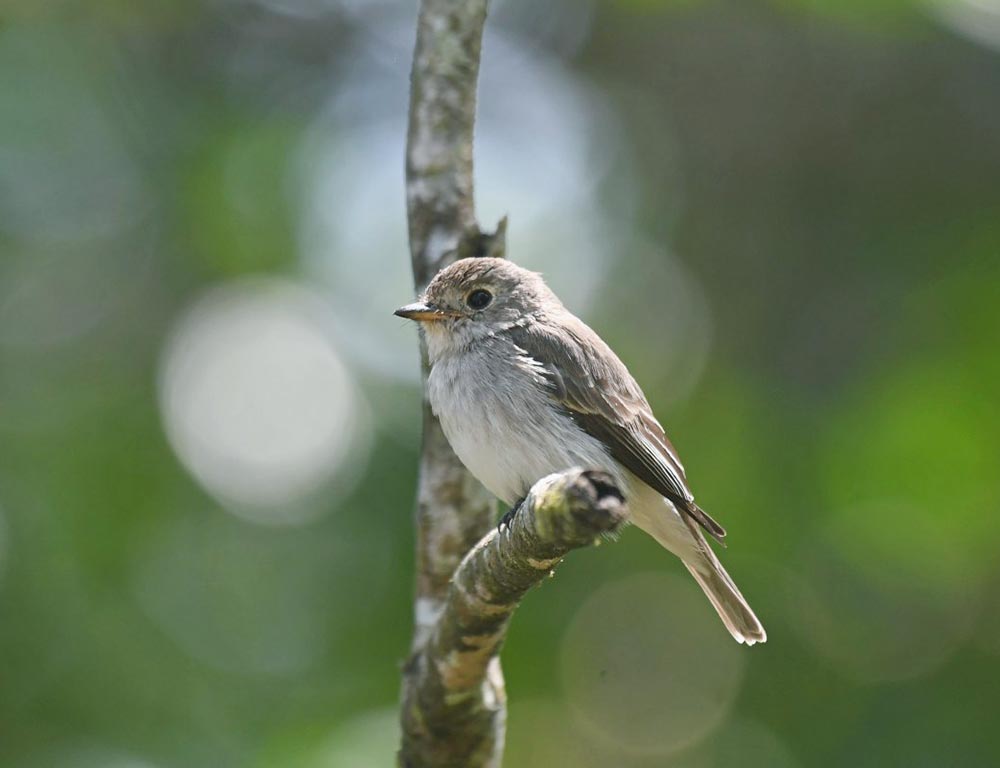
[{"x": 785, "y": 217}]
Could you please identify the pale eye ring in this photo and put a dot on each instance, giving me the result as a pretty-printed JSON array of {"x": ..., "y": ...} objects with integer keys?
[{"x": 479, "y": 299}]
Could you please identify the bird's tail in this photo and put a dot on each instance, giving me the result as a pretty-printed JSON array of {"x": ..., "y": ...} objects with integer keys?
[
  {"x": 723, "y": 593},
  {"x": 682, "y": 535}
]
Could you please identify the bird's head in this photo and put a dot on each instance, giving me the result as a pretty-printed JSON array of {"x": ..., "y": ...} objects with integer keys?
[{"x": 476, "y": 298}]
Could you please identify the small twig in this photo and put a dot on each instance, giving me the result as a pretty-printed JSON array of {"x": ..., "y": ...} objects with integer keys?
[{"x": 450, "y": 715}]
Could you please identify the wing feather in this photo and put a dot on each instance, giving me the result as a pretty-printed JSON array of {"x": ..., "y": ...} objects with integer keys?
[{"x": 589, "y": 381}]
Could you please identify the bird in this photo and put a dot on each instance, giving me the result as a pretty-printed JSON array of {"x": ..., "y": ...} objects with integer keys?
[{"x": 523, "y": 388}]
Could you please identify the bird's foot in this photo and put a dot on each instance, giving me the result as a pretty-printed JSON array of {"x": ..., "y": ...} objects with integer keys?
[{"x": 509, "y": 515}]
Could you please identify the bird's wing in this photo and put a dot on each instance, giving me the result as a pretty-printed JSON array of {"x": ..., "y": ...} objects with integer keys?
[{"x": 595, "y": 388}]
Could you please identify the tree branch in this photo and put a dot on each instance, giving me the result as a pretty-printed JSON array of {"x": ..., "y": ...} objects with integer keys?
[{"x": 450, "y": 717}]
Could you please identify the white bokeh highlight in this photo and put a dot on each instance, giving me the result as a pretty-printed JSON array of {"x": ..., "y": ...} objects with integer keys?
[
  {"x": 975, "y": 20},
  {"x": 257, "y": 403}
]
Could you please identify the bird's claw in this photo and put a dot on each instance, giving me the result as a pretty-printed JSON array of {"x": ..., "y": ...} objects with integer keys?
[{"x": 509, "y": 516}]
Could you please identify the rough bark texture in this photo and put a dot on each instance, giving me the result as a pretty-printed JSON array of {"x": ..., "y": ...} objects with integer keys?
[
  {"x": 453, "y": 510},
  {"x": 451, "y": 716},
  {"x": 439, "y": 180}
]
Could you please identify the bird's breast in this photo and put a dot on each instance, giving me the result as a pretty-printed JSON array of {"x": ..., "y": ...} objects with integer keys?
[{"x": 502, "y": 424}]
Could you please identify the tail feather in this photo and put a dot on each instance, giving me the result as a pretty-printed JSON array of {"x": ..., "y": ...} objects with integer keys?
[
  {"x": 681, "y": 534},
  {"x": 723, "y": 593},
  {"x": 731, "y": 606},
  {"x": 705, "y": 520}
]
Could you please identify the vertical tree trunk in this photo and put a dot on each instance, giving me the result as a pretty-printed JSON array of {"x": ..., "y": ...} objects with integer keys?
[{"x": 452, "y": 511}]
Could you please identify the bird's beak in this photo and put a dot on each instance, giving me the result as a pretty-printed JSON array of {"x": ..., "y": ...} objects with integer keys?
[{"x": 423, "y": 312}]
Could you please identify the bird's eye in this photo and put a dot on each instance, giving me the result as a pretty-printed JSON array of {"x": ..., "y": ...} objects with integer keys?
[{"x": 479, "y": 299}]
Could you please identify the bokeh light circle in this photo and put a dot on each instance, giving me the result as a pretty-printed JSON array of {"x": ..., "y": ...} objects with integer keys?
[
  {"x": 648, "y": 667},
  {"x": 256, "y": 401}
]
